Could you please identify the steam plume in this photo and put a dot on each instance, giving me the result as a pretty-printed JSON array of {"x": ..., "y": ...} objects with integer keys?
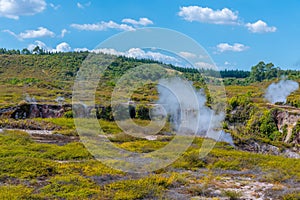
[
  {"x": 208, "y": 122},
  {"x": 278, "y": 92}
]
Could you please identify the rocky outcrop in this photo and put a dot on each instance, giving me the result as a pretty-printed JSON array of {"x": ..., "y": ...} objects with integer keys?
[
  {"x": 286, "y": 118},
  {"x": 35, "y": 110},
  {"x": 286, "y": 121},
  {"x": 252, "y": 145}
]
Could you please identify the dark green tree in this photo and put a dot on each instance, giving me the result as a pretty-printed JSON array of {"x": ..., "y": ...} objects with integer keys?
[
  {"x": 38, "y": 50},
  {"x": 25, "y": 51},
  {"x": 263, "y": 71}
]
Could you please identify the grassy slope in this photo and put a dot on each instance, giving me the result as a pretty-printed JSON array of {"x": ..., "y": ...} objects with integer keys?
[{"x": 35, "y": 169}]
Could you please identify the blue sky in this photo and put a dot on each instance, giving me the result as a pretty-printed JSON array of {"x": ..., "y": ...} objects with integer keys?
[{"x": 236, "y": 34}]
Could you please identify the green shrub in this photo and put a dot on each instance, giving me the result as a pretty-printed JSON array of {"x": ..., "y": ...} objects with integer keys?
[
  {"x": 263, "y": 124},
  {"x": 144, "y": 188},
  {"x": 68, "y": 114},
  {"x": 26, "y": 167},
  {"x": 291, "y": 196},
  {"x": 18, "y": 143},
  {"x": 70, "y": 187},
  {"x": 232, "y": 195},
  {"x": 189, "y": 160},
  {"x": 15, "y": 192},
  {"x": 227, "y": 165}
]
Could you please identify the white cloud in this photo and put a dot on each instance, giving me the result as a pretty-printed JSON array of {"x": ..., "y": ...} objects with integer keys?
[
  {"x": 63, "y": 33},
  {"x": 40, "y": 32},
  {"x": 131, "y": 53},
  {"x": 208, "y": 15},
  {"x": 62, "y": 47},
  {"x": 15, "y": 8},
  {"x": 260, "y": 27},
  {"x": 205, "y": 65},
  {"x": 81, "y": 49},
  {"x": 82, "y": 6},
  {"x": 126, "y": 25},
  {"x": 229, "y": 65},
  {"x": 224, "y": 16},
  {"x": 28, "y": 34},
  {"x": 55, "y": 7},
  {"x": 79, "y": 5},
  {"x": 37, "y": 43},
  {"x": 109, "y": 51},
  {"x": 156, "y": 56},
  {"x": 10, "y": 32},
  {"x": 139, "y": 54},
  {"x": 102, "y": 26},
  {"x": 236, "y": 47},
  {"x": 187, "y": 54},
  {"x": 142, "y": 21}
]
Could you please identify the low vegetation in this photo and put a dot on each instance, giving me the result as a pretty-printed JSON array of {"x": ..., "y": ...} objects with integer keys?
[{"x": 33, "y": 169}]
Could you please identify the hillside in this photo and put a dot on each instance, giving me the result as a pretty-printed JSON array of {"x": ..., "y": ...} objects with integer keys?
[
  {"x": 43, "y": 157},
  {"x": 45, "y": 79}
]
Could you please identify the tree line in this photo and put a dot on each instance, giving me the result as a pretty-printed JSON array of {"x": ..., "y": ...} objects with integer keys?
[
  {"x": 36, "y": 51},
  {"x": 260, "y": 72}
]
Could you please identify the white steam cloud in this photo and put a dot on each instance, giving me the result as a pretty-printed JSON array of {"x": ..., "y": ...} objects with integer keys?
[
  {"x": 187, "y": 115},
  {"x": 30, "y": 99},
  {"x": 278, "y": 92}
]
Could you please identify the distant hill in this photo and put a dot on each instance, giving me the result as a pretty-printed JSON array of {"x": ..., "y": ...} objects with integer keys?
[{"x": 48, "y": 75}]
